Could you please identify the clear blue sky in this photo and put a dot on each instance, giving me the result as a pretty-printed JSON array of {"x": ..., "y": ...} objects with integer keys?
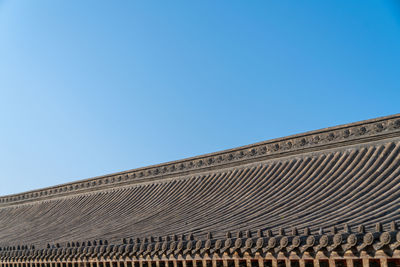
[{"x": 93, "y": 87}]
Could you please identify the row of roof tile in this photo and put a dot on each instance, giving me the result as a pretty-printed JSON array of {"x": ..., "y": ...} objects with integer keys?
[{"x": 263, "y": 242}]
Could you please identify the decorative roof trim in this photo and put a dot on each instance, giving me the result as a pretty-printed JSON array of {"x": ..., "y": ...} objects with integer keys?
[
  {"x": 348, "y": 134},
  {"x": 261, "y": 242}
]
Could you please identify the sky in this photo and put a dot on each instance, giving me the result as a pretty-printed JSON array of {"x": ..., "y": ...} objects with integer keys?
[{"x": 88, "y": 88}]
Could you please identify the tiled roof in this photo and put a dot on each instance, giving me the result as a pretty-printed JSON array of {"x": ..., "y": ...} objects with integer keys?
[{"x": 342, "y": 175}]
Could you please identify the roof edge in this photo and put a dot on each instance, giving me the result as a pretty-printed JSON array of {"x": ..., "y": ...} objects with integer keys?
[
  {"x": 338, "y": 238},
  {"x": 337, "y": 136}
]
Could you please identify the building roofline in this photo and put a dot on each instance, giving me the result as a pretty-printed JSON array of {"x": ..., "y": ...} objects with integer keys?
[{"x": 331, "y": 137}]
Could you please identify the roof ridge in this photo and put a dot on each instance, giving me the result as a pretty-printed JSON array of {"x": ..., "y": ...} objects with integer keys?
[{"x": 337, "y": 136}]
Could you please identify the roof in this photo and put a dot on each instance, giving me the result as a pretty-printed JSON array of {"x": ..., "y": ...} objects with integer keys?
[{"x": 347, "y": 174}]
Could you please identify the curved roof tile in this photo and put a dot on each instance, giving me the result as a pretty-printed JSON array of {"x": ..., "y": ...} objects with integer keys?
[{"x": 342, "y": 175}]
